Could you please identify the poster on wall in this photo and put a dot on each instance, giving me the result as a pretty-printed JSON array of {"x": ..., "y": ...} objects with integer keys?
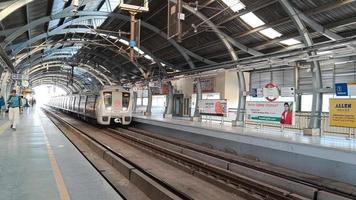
[
  {"x": 270, "y": 112},
  {"x": 217, "y": 107},
  {"x": 207, "y": 85},
  {"x": 345, "y": 89},
  {"x": 351, "y": 87},
  {"x": 343, "y": 113}
]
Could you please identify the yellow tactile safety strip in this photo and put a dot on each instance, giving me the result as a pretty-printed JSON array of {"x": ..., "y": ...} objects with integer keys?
[{"x": 62, "y": 189}]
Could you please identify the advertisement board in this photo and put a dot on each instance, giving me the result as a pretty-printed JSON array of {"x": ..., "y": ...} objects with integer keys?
[
  {"x": 216, "y": 107},
  {"x": 343, "y": 113},
  {"x": 345, "y": 89},
  {"x": 207, "y": 85},
  {"x": 351, "y": 87},
  {"x": 270, "y": 112}
]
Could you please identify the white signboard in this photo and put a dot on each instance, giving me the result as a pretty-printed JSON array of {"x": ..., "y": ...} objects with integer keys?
[
  {"x": 287, "y": 91},
  {"x": 156, "y": 84},
  {"x": 351, "y": 87},
  {"x": 213, "y": 107},
  {"x": 259, "y": 92},
  {"x": 271, "y": 92},
  {"x": 270, "y": 112}
]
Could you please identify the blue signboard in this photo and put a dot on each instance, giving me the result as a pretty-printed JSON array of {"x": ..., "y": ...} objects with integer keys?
[
  {"x": 341, "y": 89},
  {"x": 253, "y": 92}
]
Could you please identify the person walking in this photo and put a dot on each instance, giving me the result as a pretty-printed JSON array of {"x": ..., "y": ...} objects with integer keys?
[
  {"x": 14, "y": 108},
  {"x": 2, "y": 105}
]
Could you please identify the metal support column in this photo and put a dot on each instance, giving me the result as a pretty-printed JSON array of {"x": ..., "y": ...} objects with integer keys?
[
  {"x": 149, "y": 102},
  {"x": 197, "y": 116},
  {"x": 242, "y": 98},
  {"x": 297, "y": 95},
  {"x": 315, "y": 120},
  {"x": 169, "y": 107},
  {"x": 134, "y": 103}
]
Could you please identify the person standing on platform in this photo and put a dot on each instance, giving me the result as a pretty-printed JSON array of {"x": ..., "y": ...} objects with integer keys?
[
  {"x": 2, "y": 105},
  {"x": 14, "y": 108}
]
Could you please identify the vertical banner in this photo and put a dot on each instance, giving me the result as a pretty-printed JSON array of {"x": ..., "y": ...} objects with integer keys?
[
  {"x": 270, "y": 112},
  {"x": 343, "y": 113}
]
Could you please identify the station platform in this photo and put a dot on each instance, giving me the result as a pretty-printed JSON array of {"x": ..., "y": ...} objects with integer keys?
[
  {"x": 38, "y": 162},
  {"x": 331, "y": 157}
]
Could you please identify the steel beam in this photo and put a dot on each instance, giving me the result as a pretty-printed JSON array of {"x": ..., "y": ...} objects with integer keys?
[
  {"x": 87, "y": 68},
  {"x": 78, "y": 87},
  {"x": 41, "y": 68},
  {"x": 223, "y": 37},
  {"x": 20, "y": 30},
  {"x": 60, "y": 83},
  {"x": 227, "y": 41},
  {"x": 315, "y": 120},
  {"x": 13, "y": 7}
]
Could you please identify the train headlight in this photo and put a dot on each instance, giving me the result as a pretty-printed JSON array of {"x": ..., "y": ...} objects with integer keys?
[{"x": 108, "y": 108}]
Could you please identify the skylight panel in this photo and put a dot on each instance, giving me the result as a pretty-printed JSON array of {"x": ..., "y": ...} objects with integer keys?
[
  {"x": 252, "y": 20},
  {"x": 235, "y": 5},
  {"x": 290, "y": 42},
  {"x": 125, "y": 42},
  {"x": 148, "y": 57},
  {"x": 271, "y": 33}
]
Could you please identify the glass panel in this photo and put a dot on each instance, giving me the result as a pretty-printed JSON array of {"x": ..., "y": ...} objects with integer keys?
[
  {"x": 144, "y": 101},
  {"x": 125, "y": 100},
  {"x": 107, "y": 100},
  {"x": 306, "y": 103},
  {"x": 138, "y": 101}
]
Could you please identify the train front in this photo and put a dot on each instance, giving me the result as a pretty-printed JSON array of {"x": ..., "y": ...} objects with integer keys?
[{"x": 114, "y": 106}]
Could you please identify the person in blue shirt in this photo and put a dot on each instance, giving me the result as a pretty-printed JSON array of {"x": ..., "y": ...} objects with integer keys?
[
  {"x": 2, "y": 105},
  {"x": 14, "y": 103}
]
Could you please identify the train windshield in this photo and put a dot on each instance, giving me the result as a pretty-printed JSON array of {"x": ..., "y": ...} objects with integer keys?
[
  {"x": 125, "y": 100},
  {"x": 107, "y": 100}
]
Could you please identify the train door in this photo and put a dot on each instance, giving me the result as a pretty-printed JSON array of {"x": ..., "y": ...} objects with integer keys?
[{"x": 178, "y": 105}]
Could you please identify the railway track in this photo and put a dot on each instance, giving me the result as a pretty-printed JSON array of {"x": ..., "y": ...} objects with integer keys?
[
  {"x": 176, "y": 170},
  {"x": 277, "y": 176}
]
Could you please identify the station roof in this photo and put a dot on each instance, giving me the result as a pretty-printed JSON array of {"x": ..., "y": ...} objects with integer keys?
[{"x": 47, "y": 37}]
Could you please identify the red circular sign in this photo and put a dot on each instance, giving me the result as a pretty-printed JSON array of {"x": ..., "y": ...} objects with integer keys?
[{"x": 271, "y": 85}]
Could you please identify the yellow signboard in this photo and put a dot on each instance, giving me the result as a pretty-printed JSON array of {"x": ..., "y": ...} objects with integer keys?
[{"x": 343, "y": 113}]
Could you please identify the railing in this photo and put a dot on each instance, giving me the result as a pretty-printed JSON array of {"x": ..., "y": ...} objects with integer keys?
[{"x": 301, "y": 122}]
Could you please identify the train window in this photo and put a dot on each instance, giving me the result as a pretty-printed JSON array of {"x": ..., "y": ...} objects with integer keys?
[
  {"x": 107, "y": 100},
  {"x": 125, "y": 100}
]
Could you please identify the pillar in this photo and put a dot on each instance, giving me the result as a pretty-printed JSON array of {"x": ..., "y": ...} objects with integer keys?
[
  {"x": 240, "y": 115},
  {"x": 149, "y": 103},
  {"x": 197, "y": 116},
  {"x": 169, "y": 107}
]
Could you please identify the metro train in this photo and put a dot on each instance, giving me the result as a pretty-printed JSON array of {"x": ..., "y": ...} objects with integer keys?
[{"x": 112, "y": 105}]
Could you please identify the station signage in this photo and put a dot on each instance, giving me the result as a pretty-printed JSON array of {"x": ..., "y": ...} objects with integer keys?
[
  {"x": 270, "y": 112},
  {"x": 345, "y": 89},
  {"x": 256, "y": 92},
  {"x": 155, "y": 84},
  {"x": 342, "y": 112},
  {"x": 287, "y": 91},
  {"x": 271, "y": 92},
  {"x": 207, "y": 85}
]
